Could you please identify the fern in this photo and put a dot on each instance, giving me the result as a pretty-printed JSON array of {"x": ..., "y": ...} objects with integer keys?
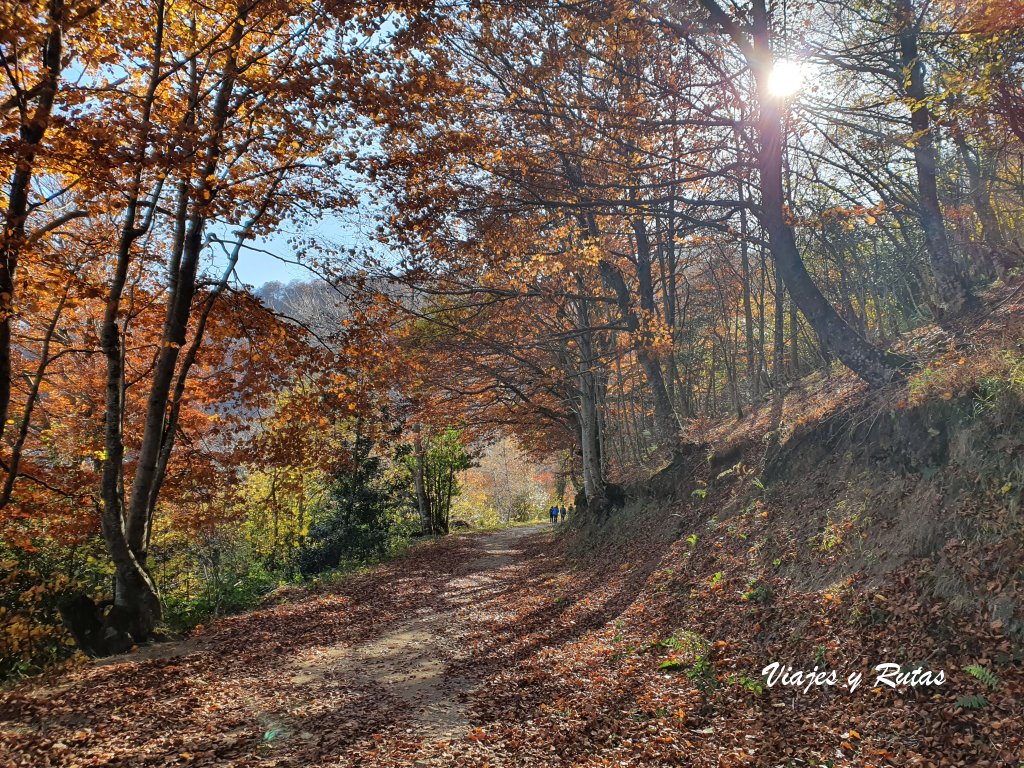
[
  {"x": 972, "y": 702},
  {"x": 984, "y": 674},
  {"x": 688, "y": 642}
]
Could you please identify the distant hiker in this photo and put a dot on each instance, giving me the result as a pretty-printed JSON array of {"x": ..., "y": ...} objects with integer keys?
[
  {"x": 554, "y": 515},
  {"x": 572, "y": 509},
  {"x": 561, "y": 513}
]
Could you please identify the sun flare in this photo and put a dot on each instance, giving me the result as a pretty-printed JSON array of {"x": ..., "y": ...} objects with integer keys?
[{"x": 787, "y": 78}]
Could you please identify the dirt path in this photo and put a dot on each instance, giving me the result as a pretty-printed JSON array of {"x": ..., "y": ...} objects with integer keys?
[
  {"x": 388, "y": 660},
  {"x": 411, "y": 661}
]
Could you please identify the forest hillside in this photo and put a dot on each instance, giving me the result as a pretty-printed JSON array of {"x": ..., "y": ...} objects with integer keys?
[
  {"x": 607, "y": 382},
  {"x": 848, "y": 529}
]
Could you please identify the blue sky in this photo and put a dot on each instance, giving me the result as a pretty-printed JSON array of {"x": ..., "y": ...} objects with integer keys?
[
  {"x": 272, "y": 258},
  {"x": 256, "y": 267}
]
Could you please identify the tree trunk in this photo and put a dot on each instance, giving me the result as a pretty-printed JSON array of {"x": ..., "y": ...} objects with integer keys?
[
  {"x": 421, "y": 497},
  {"x": 753, "y": 371},
  {"x": 952, "y": 290},
  {"x": 979, "y": 180},
  {"x": 753, "y": 368},
  {"x": 590, "y": 438},
  {"x": 794, "y": 342},
  {"x": 135, "y": 593},
  {"x": 12, "y": 236},
  {"x": 779, "y": 335},
  {"x": 182, "y": 278},
  {"x": 867, "y": 361},
  {"x": 593, "y": 482},
  {"x": 33, "y": 397},
  {"x": 666, "y": 425}
]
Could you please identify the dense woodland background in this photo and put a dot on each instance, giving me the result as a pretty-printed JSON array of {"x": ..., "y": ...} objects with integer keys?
[{"x": 594, "y": 233}]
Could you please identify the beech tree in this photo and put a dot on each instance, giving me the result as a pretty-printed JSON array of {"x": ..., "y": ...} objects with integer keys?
[
  {"x": 215, "y": 121},
  {"x": 632, "y": 174},
  {"x": 32, "y": 49}
]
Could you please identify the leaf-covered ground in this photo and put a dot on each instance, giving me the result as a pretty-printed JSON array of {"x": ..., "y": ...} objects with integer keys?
[{"x": 502, "y": 649}]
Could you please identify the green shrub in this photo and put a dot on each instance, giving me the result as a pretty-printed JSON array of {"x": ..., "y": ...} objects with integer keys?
[{"x": 33, "y": 581}]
